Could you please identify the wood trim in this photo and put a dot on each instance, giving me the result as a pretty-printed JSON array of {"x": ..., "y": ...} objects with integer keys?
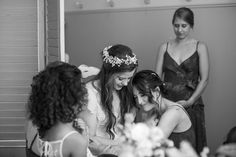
[
  {"x": 151, "y": 8},
  {"x": 41, "y": 34},
  {"x": 62, "y": 30}
]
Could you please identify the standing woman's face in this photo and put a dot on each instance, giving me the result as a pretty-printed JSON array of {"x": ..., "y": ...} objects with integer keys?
[{"x": 181, "y": 28}]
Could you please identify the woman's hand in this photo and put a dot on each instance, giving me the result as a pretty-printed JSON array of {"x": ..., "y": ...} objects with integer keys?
[
  {"x": 98, "y": 148},
  {"x": 81, "y": 127},
  {"x": 185, "y": 103},
  {"x": 227, "y": 150},
  {"x": 129, "y": 117}
]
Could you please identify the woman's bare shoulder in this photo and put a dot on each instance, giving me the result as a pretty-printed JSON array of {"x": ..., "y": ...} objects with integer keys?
[{"x": 78, "y": 140}]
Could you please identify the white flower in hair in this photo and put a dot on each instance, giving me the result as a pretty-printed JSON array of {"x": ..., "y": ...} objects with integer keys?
[{"x": 117, "y": 61}]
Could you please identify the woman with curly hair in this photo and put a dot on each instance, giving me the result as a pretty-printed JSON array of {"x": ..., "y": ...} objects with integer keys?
[
  {"x": 56, "y": 98},
  {"x": 109, "y": 98}
]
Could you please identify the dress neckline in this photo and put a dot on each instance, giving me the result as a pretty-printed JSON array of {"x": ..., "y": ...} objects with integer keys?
[{"x": 179, "y": 64}]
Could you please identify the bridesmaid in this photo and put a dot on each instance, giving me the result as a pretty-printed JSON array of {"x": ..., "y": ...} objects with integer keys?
[
  {"x": 169, "y": 116},
  {"x": 184, "y": 66}
]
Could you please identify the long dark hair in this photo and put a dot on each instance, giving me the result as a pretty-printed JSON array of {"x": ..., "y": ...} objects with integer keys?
[
  {"x": 106, "y": 78},
  {"x": 147, "y": 81}
]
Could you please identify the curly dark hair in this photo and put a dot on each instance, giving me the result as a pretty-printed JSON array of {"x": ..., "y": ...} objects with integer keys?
[{"x": 57, "y": 94}]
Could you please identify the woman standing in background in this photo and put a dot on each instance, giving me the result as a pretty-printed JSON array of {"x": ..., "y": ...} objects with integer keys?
[{"x": 184, "y": 66}]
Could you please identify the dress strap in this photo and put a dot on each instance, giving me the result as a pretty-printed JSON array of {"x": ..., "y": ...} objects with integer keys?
[
  {"x": 31, "y": 145},
  {"x": 62, "y": 141},
  {"x": 47, "y": 148},
  {"x": 180, "y": 106},
  {"x": 197, "y": 45},
  {"x": 167, "y": 46},
  {"x": 68, "y": 134}
]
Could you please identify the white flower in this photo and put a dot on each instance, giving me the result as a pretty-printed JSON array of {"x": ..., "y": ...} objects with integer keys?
[
  {"x": 144, "y": 148},
  {"x": 157, "y": 134},
  {"x": 140, "y": 132},
  {"x": 118, "y": 61},
  {"x": 159, "y": 153},
  {"x": 142, "y": 140}
]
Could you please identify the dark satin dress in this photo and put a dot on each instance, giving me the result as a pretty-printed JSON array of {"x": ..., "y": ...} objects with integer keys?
[{"x": 180, "y": 82}]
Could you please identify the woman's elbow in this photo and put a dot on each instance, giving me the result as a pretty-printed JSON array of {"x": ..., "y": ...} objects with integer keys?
[{"x": 204, "y": 82}]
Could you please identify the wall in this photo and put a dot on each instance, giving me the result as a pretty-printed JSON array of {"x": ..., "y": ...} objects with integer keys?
[
  {"x": 87, "y": 33},
  {"x": 96, "y": 5}
]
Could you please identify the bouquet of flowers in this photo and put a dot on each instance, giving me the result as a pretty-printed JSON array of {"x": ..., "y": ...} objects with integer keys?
[{"x": 142, "y": 140}]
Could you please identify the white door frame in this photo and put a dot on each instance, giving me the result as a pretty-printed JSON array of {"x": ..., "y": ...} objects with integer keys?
[
  {"x": 62, "y": 30},
  {"x": 42, "y": 33}
]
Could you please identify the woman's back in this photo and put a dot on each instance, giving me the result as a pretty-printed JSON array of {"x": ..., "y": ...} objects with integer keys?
[
  {"x": 57, "y": 96},
  {"x": 70, "y": 143}
]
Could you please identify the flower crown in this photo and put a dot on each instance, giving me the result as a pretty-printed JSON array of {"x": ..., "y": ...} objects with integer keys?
[{"x": 117, "y": 61}]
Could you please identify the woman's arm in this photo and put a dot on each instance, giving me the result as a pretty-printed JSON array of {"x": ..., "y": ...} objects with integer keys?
[
  {"x": 91, "y": 121},
  {"x": 168, "y": 121},
  {"x": 204, "y": 74},
  {"x": 159, "y": 60},
  {"x": 98, "y": 144},
  {"x": 170, "y": 118}
]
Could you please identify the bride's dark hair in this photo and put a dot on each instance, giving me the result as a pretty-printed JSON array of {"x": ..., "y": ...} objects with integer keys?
[{"x": 106, "y": 78}]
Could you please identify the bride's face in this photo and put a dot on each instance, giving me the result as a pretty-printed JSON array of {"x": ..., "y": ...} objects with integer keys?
[{"x": 122, "y": 79}]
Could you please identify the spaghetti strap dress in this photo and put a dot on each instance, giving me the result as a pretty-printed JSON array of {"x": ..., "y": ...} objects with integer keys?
[{"x": 181, "y": 80}]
